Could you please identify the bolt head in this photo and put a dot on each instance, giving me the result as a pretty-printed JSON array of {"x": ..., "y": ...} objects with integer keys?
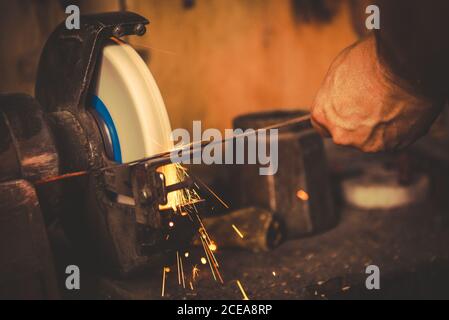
[
  {"x": 140, "y": 29},
  {"x": 118, "y": 31},
  {"x": 145, "y": 194}
]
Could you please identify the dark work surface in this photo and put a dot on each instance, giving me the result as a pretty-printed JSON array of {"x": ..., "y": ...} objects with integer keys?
[{"x": 410, "y": 246}]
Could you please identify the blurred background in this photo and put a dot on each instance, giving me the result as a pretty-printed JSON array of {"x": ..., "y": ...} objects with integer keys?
[{"x": 212, "y": 59}]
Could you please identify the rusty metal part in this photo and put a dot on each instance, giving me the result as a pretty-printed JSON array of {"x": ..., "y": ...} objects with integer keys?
[
  {"x": 26, "y": 264},
  {"x": 252, "y": 229},
  {"x": 27, "y": 149},
  {"x": 27, "y": 154},
  {"x": 300, "y": 191}
]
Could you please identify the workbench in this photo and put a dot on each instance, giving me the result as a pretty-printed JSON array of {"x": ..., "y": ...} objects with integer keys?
[{"x": 409, "y": 246}]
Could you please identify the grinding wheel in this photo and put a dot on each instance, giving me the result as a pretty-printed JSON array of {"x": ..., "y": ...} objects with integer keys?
[{"x": 128, "y": 104}]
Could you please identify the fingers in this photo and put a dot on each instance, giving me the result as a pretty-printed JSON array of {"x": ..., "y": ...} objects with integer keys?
[
  {"x": 322, "y": 130},
  {"x": 341, "y": 109},
  {"x": 318, "y": 116}
]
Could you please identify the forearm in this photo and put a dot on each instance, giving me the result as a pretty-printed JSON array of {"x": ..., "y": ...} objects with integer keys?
[{"x": 413, "y": 43}]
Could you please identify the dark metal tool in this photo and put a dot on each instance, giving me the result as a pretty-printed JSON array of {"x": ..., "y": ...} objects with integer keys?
[
  {"x": 55, "y": 137},
  {"x": 299, "y": 193}
]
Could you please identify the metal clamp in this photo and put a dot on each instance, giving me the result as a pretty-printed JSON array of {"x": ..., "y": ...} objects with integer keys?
[{"x": 145, "y": 185}]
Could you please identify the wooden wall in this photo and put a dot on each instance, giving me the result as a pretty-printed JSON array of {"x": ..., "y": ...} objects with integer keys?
[
  {"x": 24, "y": 25},
  {"x": 224, "y": 58},
  {"x": 214, "y": 61}
]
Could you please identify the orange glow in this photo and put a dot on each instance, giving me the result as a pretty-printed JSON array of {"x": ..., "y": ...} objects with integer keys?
[
  {"x": 237, "y": 231},
  {"x": 302, "y": 195},
  {"x": 195, "y": 272},
  {"x": 213, "y": 247},
  {"x": 245, "y": 297}
]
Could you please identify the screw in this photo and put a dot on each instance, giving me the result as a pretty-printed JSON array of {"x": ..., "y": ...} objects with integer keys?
[
  {"x": 118, "y": 31},
  {"x": 140, "y": 29},
  {"x": 145, "y": 194}
]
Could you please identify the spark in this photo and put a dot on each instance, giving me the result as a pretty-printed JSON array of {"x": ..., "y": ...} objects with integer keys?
[
  {"x": 204, "y": 261},
  {"x": 195, "y": 272},
  {"x": 211, "y": 257},
  {"x": 213, "y": 247},
  {"x": 205, "y": 239},
  {"x": 173, "y": 174},
  {"x": 62, "y": 177},
  {"x": 179, "y": 269},
  {"x": 187, "y": 207},
  {"x": 213, "y": 193},
  {"x": 274, "y": 273},
  {"x": 164, "y": 271},
  {"x": 171, "y": 224},
  {"x": 245, "y": 297},
  {"x": 302, "y": 195},
  {"x": 180, "y": 265},
  {"x": 238, "y": 231},
  {"x": 153, "y": 48},
  {"x": 182, "y": 273}
]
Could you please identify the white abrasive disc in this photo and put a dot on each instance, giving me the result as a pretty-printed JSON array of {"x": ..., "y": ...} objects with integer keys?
[
  {"x": 127, "y": 89},
  {"x": 129, "y": 102}
]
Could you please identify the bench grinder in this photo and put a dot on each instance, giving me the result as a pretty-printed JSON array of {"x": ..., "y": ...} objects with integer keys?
[{"x": 99, "y": 111}]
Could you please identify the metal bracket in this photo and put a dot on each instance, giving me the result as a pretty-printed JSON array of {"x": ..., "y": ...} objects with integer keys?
[
  {"x": 69, "y": 58},
  {"x": 147, "y": 187}
]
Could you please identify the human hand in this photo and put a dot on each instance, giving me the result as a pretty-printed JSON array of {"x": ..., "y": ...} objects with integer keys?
[{"x": 362, "y": 104}]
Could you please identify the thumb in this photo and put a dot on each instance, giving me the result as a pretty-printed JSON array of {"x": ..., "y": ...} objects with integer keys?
[{"x": 321, "y": 128}]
